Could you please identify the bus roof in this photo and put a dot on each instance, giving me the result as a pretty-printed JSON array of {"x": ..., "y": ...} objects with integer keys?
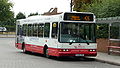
[
  {"x": 45, "y": 18},
  {"x": 40, "y": 19}
]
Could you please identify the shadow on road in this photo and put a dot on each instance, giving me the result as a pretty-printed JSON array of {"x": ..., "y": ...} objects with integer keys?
[{"x": 86, "y": 59}]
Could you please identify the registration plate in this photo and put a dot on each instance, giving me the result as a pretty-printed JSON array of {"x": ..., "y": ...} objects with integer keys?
[{"x": 79, "y": 55}]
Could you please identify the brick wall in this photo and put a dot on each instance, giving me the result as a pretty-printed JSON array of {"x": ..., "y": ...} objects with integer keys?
[{"x": 102, "y": 45}]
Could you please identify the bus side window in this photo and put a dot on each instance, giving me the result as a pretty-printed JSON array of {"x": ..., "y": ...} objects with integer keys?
[
  {"x": 32, "y": 29},
  {"x": 21, "y": 31},
  {"x": 35, "y": 29},
  {"x": 25, "y": 29},
  {"x": 54, "y": 29},
  {"x": 29, "y": 29},
  {"x": 18, "y": 29},
  {"x": 46, "y": 29},
  {"x": 40, "y": 30}
]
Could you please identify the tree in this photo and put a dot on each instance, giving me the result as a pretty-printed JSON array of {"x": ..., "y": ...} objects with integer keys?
[
  {"x": 107, "y": 8},
  {"x": 81, "y": 5},
  {"x": 5, "y": 10},
  {"x": 6, "y": 15},
  {"x": 20, "y": 15}
]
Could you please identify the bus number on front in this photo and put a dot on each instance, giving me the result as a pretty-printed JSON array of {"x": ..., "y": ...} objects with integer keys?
[{"x": 87, "y": 18}]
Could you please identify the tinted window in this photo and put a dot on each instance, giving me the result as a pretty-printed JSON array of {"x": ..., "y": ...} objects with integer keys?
[
  {"x": 54, "y": 29},
  {"x": 46, "y": 29},
  {"x": 40, "y": 30}
]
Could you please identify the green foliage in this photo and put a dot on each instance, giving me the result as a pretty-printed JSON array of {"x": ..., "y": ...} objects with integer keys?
[
  {"x": 102, "y": 31},
  {"x": 106, "y": 8},
  {"x": 10, "y": 24},
  {"x": 6, "y": 15},
  {"x": 115, "y": 31},
  {"x": 5, "y": 10},
  {"x": 20, "y": 15},
  {"x": 80, "y": 5},
  {"x": 101, "y": 8}
]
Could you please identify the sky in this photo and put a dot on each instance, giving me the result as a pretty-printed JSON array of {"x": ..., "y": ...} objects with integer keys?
[{"x": 40, "y": 6}]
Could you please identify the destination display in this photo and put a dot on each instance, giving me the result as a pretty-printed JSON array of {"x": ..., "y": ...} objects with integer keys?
[{"x": 78, "y": 17}]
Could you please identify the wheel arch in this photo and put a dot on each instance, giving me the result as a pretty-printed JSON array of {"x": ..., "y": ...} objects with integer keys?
[
  {"x": 23, "y": 45},
  {"x": 45, "y": 47}
]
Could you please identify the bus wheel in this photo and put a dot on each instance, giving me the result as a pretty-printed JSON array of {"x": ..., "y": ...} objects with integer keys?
[
  {"x": 46, "y": 53},
  {"x": 24, "y": 50}
]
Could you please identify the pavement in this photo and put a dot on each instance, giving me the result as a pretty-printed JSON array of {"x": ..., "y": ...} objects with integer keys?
[
  {"x": 7, "y": 36},
  {"x": 111, "y": 59}
]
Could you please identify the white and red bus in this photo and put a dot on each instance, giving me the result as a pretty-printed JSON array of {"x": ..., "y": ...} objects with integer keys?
[{"x": 66, "y": 34}]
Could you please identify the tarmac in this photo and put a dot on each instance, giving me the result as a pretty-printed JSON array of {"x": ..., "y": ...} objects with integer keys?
[
  {"x": 111, "y": 59},
  {"x": 101, "y": 57}
]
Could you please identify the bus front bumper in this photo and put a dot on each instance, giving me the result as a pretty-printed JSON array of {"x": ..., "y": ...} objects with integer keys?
[
  {"x": 77, "y": 54},
  {"x": 73, "y": 52}
]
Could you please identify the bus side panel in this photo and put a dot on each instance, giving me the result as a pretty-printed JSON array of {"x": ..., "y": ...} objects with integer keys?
[
  {"x": 37, "y": 49},
  {"x": 28, "y": 47},
  {"x": 36, "y": 44},
  {"x": 18, "y": 45},
  {"x": 53, "y": 51}
]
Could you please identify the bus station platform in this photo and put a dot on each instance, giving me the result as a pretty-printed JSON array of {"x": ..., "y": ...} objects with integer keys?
[{"x": 111, "y": 59}]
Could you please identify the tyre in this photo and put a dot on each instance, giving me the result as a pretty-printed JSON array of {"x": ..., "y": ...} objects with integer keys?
[
  {"x": 46, "y": 53},
  {"x": 24, "y": 50}
]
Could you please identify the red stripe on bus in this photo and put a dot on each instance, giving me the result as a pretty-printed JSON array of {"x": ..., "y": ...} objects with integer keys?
[{"x": 57, "y": 51}]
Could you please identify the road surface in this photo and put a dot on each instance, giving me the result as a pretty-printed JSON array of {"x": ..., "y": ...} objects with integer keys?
[{"x": 10, "y": 57}]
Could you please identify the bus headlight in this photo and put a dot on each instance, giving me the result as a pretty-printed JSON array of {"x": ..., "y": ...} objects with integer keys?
[
  {"x": 64, "y": 50},
  {"x": 92, "y": 50}
]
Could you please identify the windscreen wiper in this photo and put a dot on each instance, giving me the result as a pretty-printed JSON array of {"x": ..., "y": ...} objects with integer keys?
[
  {"x": 86, "y": 41},
  {"x": 71, "y": 42}
]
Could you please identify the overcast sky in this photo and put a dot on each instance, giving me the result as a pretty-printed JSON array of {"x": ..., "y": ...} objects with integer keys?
[{"x": 40, "y": 6}]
